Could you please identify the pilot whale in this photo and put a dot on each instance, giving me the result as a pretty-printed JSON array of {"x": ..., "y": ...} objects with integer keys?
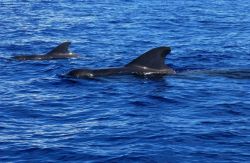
[
  {"x": 59, "y": 52},
  {"x": 151, "y": 62}
]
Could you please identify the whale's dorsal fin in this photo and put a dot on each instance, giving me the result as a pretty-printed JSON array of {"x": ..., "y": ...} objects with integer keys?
[
  {"x": 60, "y": 49},
  {"x": 153, "y": 58}
]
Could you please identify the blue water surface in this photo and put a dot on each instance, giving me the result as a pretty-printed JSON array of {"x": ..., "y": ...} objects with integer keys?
[{"x": 201, "y": 114}]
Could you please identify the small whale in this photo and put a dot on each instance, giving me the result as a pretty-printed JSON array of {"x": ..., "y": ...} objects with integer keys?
[
  {"x": 60, "y": 52},
  {"x": 151, "y": 62}
]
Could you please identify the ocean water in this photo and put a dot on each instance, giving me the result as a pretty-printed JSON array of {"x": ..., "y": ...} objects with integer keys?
[{"x": 201, "y": 114}]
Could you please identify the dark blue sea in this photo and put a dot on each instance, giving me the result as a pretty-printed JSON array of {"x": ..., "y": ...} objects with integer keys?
[{"x": 201, "y": 114}]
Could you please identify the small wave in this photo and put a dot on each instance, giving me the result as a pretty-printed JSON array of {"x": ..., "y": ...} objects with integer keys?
[
  {"x": 228, "y": 73},
  {"x": 218, "y": 135},
  {"x": 232, "y": 73}
]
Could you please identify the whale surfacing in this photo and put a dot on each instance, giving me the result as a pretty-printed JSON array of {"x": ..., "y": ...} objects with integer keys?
[
  {"x": 150, "y": 63},
  {"x": 60, "y": 52}
]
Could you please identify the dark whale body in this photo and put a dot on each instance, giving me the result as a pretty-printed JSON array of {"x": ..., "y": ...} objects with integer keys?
[
  {"x": 60, "y": 52},
  {"x": 149, "y": 63}
]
